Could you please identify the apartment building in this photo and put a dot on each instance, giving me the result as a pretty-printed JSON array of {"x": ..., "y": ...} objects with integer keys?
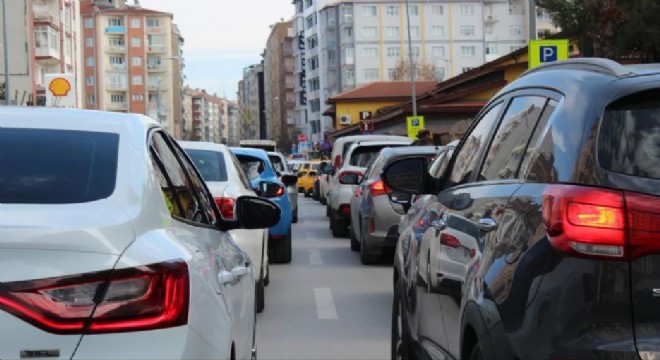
[
  {"x": 233, "y": 124},
  {"x": 209, "y": 114},
  {"x": 131, "y": 62},
  {"x": 343, "y": 44},
  {"x": 42, "y": 39},
  {"x": 279, "y": 96},
  {"x": 251, "y": 101}
]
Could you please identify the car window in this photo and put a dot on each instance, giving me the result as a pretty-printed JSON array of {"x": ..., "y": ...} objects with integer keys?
[
  {"x": 56, "y": 166},
  {"x": 211, "y": 164},
  {"x": 509, "y": 143},
  {"x": 279, "y": 166},
  {"x": 439, "y": 166},
  {"x": 202, "y": 192},
  {"x": 629, "y": 137},
  {"x": 363, "y": 155},
  {"x": 468, "y": 155},
  {"x": 252, "y": 166},
  {"x": 531, "y": 169},
  {"x": 239, "y": 170}
]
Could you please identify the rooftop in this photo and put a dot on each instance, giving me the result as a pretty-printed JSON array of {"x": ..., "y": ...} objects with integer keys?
[{"x": 385, "y": 90}]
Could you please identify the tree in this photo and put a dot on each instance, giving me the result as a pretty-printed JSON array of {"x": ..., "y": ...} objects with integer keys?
[{"x": 424, "y": 71}]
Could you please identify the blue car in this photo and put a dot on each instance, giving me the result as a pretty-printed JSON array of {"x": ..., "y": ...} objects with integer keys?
[{"x": 267, "y": 184}]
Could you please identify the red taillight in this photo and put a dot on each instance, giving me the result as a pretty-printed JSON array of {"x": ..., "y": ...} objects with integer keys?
[
  {"x": 226, "y": 206},
  {"x": 345, "y": 210},
  {"x": 279, "y": 191},
  {"x": 379, "y": 188},
  {"x": 601, "y": 223},
  {"x": 449, "y": 240},
  {"x": 142, "y": 298},
  {"x": 337, "y": 162}
]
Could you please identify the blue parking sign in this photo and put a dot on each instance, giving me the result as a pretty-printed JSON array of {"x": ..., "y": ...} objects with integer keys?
[{"x": 548, "y": 54}]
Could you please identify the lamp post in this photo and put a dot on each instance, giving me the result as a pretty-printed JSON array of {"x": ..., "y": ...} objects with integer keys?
[
  {"x": 412, "y": 66},
  {"x": 6, "y": 50}
]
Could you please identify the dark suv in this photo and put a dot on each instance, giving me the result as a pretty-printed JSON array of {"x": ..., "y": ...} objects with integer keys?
[{"x": 543, "y": 241}]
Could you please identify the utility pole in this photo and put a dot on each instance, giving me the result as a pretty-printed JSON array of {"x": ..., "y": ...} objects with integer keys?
[
  {"x": 532, "y": 20},
  {"x": 6, "y": 51},
  {"x": 412, "y": 65}
]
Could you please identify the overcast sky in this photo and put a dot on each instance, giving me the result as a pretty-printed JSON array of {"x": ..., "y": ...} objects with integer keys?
[{"x": 222, "y": 37}]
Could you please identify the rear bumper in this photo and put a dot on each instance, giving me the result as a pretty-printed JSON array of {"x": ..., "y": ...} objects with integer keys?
[
  {"x": 377, "y": 241},
  {"x": 286, "y": 216}
]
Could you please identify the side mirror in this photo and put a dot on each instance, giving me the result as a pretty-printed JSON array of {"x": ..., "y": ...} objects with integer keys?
[
  {"x": 256, "y": 213},
  {"x": 289, "y": 180},
  {"x": 270, "y": 189},
  {"x": 329, "y": 170},
  {"x": 407, "y": 175},
  {"x": 350, "y": 178}
]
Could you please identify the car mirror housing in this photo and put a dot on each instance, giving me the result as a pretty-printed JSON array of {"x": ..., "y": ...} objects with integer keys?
[
  {"x": 289, "y": 180},
  {"x": 256, "y": 213},
  {"x": 270, "y": 189},
  {"x": 408, "y": 175}
]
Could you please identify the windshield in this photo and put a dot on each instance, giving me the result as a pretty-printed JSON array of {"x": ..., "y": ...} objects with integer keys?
[
  {"x": 363, "y": 155},
  {"x": 211, "y": 164},
  {"x": 56, "y": 166},
  {"x": 252, "y": 166},
  {"x": 279, "y": 166}
]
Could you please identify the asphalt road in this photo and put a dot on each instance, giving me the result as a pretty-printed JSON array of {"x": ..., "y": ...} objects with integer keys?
[{"x": 325, "y": 304}]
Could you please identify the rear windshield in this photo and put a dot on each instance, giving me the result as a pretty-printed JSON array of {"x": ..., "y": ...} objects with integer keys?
[
  {"x": 363, "y": 155},
  {"x": 280, "y": 167},
  {"x": 252, "y": 166},
  {"x": 211, "y": 164},
  {"x": 629, "y": 138},
  {"x": 56, "y": 166}
]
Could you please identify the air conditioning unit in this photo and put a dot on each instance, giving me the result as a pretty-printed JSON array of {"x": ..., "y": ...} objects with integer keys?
[{"x": 345, "y": 119}]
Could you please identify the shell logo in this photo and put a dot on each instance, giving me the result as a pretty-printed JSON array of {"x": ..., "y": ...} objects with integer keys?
[{"x": 59, "y": 86}]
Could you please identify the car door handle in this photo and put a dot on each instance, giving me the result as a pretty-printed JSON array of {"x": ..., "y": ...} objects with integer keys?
[
  {"x": 239, "y": 272},
  {"x": 487, "y": 224},
  {"x": 226, "y": 277}
]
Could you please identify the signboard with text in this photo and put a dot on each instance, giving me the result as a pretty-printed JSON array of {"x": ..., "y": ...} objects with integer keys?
[
  {"x": 366, "y": 122},
  {"x": 547, "y": 51},
  {"x": 415, "y": 124}
]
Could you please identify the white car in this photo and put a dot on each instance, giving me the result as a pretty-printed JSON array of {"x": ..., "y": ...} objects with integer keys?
[
  {"x": 225, "y": 178},
  {"x": 111, "y": 246}
]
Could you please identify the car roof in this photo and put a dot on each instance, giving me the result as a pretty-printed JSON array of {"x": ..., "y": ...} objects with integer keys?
[
  {"x": 377, "y": 143},
  {"x": 203, "y": 145},
  {"x": 258, "y": 153},
  {"x": 410, "y": 150}
]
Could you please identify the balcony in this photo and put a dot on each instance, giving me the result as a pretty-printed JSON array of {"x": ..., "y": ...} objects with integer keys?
[
  {"x": 115, "y": 29},
  {"x": 490, "y": 19},
  {"x": 155, "y": 30},
  {"x": 117, "y": 106},
  {"x": 491, "y": 37},
  {"x": 42, "y": 13},
  {"x": 118, "y": 66},
  {"x": 117, "y": 86},
  {"x": 116, "y": 48},
  {"x": 155, "y": 67},
  {"x": 156, "y": 48},
  {"x": 47, "y": 53}
]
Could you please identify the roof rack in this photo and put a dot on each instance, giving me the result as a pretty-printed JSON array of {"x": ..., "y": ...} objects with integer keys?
[{"x": 601, "y": 65}]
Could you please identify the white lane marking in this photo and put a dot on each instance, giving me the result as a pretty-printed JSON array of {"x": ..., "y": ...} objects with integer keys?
[
  {"x": 315, "y": 257},
  {"x": 325, "y": 306}
]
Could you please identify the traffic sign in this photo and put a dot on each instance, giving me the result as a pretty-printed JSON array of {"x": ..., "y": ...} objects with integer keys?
[
  {"x": 365, "y": 115},
  {"x": 546, "y": 51},
  {"x": 302, "y": 138},
  {"x": 415, "y": 124}
]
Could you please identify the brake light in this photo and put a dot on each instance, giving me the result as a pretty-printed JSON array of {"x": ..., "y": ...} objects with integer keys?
[
  {"x": 601, "y": 223},
  {"x": 345, "y": 210},
  {"x": 141, "y": 298},
  {"x": 279, "y": 191},
  {"x": 379, "y": 188},
  {"x": 226, "y": 206},
  {"x": 449, "y": 240},
  {"x": 337, "y": 162}
]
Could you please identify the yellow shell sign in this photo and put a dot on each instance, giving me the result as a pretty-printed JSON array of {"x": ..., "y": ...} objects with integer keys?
[{"x": 59, "y": 86}]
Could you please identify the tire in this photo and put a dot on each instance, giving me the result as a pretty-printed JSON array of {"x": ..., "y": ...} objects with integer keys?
[
  {"x": 355, "y": 242},
  {"x": 327, "y": 210},
  {"x": 259, "y": 295},
  {"x": 476, "y": 353},
  {"x": 267, "y": 278},
  {"x": 294, "y": 217},
  {"x": 338, "y": 227},
  {"x": 282, "y": 253},
  {"x": 399, "y": 341},
  {"x": 365, "y": 257},
  {"x": 323, "y": 201},
  {"x": 306, "y": 194}
]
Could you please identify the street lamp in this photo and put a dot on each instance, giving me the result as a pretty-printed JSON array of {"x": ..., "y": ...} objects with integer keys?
[
  {"x": 6, "y": 50},
  {"x": 412, "y": 66}
]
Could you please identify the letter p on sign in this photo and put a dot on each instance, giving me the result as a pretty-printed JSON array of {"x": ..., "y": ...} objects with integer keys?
[{"x": 548, "y": 54}]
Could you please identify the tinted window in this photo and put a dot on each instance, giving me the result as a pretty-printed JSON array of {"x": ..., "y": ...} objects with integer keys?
[
  {"x": 536, "y": 165},
  {"x": 363, "y": 155},
  {"x": 440, "y": 164},
  {"x": 468, "y": 155},
  {"x": 629, "y": 138},
  {"x": 211, "y": 164},
  {"x": 203, "y": 196},
  {"x": 509, "y": 144},
  {"x": 252, "y": 166},
  {"x": 56, "y": 166}
]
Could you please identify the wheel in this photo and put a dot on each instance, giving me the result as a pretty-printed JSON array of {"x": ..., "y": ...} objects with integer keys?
[
  {"x": 327, "y": 210},
  {"x": 267, "y": 278},
  {"x": 365, "y": 257},
  {"x": 282, "y": 253},
  {"x": 322, "y": 200},
  {"x": 355, "y": 243},
  {"x": 399, "y": 340},
  {"x": 294, "y": 217},
  {"x": 476, "y": 353},
  {"x": 306, "y": 193},
  {"x": 259, "y": 295},
  {"x": 338, "y": 227}
]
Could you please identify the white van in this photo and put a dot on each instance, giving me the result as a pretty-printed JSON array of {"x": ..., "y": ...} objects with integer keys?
[{"x": 342, "y": 144}]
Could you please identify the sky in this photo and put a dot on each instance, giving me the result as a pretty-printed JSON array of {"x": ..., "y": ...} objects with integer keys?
[{"x": 222, "y": 37}]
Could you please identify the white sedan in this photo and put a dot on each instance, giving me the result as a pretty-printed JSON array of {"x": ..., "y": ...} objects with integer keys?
[
  {"x": 111, "y": 246},
  {"x": 225, "y": 178}
]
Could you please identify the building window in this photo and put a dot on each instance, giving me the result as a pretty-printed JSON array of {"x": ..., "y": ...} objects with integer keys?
[
  {"x": 90, "y": 81},
  {"x": 117, "y": 62},
  {"x": 312, "y": 42},
  {"x": 332, "y": 57},
  {"x": 67, "y": 18},
  {"x": 437, "y": 10},
  {"x": 467, "y": 9},
  {"x": 136, "y": 80},
  {"x": 392, "y": 10},
  {"x": 370, "y": 53},
  {"x": 467, "y": 30},
  {"x": 515, "y": 48},
  {"x": 311, "y": 21},
  {"x": 391, "y": 73},
  {"x": 370, "y": 31},
  {"x": 438, "y": 51},
  {"x": 466, "y": 69},
  {"x": 369, "y": 10},
  {"x": 152, "y": 23},
  {"x": 46, "y": 37},
  {"x": 117, "y": 42},
  {"x": 89, "y": 42},
  {"x": 371, "y": 74},
  {"x": 89, "y": 61},
  {"x": 136, "y": 23},
  {"x": 438, "y": 31},
  {"x": 349, "y": 74},
  {"x": 515, "y": 30},
  {"x": 137, "y": 97},
  {"x": 347, "y": 14},
  {"x": 414, "y": 10},
  {"x": 348, "y": 55},
  {"x": 117, "y": 98},
  {"x": 414, "y": 31},
  {"x": 89, "y": 23},
  {"x": 415, "y": 52},
  {"x": 491, "y": 49},
  {"x": 392, "y": 31},
  {"x": 308, "y": 3},
  {"x": 314, "y": 63},
  {"x": 117, "y": 80},
  {"x": 115, "y": 22},
  {"x": 315, "y": 105},
  {"x": 91, "y": 99},
  {"x": 136, "y": 42},
  {"x": 348, "y": 33},
  {"x": 468, "y": 51},
  {"x": 440, "y": 73},
  {"x": 394, "y": 52}
]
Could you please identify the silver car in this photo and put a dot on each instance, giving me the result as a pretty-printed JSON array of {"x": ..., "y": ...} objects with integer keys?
[
  {"x": 282, "y": 167},
  {"x": 376, "y": 210}
]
